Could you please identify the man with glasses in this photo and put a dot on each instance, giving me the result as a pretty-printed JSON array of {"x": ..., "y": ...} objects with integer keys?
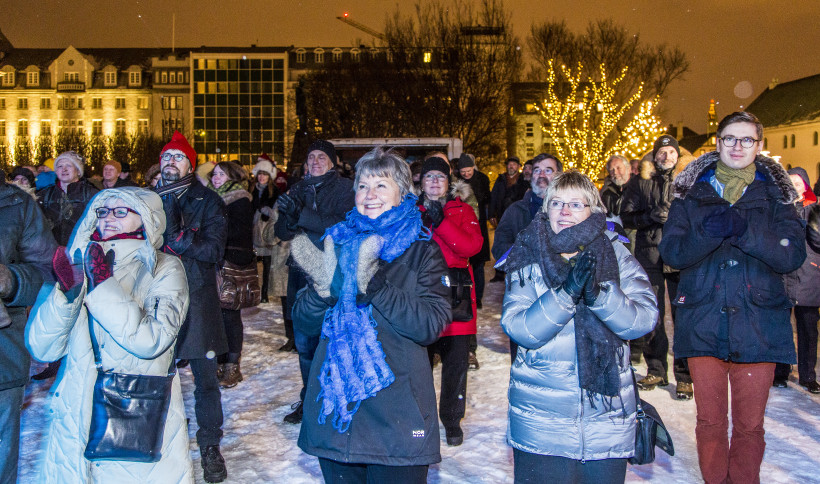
[
  {"x": 521, "y": 213},
  {"x": 733, "y": 231},
  {"x": 645, "y": 208},
  {"x": 196, "y": 231}
]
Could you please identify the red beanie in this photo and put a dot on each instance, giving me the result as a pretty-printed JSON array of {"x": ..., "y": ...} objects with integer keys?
[{"x": 178, "y": 142}]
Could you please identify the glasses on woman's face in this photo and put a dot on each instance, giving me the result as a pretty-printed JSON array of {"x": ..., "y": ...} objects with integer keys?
[
  {"x": 175, "y": 156},
  {"x": 557, "y": 205},
  {"x": 746, "y": 142},
  {"x": 119, "y": 212},
  {"x": 431, "y": 177}
]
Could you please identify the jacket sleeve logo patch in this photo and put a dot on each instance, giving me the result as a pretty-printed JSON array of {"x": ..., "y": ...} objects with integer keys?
[{"x": 681, "y": 299}]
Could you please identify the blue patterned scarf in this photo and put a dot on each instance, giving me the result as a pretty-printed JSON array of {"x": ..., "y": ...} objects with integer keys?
[{"x": 355, "y": 368}]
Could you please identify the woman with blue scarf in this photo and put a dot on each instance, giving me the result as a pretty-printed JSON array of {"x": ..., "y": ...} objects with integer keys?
[{"x": 377, "y": 295}]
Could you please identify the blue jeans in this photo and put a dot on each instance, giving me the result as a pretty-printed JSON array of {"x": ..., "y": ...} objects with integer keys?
[
  {"x": 306, "y": 346},
  {"x": 11, "y": 403}
]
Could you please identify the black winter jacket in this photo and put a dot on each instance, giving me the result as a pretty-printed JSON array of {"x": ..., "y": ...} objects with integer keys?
[
  {"x": 399, "y": 425},
  {"x": 612, "y": 196},
  {"x": 26, "y": 248},
  {"x": 322, "y": 201},
  {"x": 642, "y": 194},
  {"x": 64, "y": 209},
  {"x": 480, "y": 184},
  {"x": 803, "y": 285},
  {"x": 239, "y": 227},
  {"x": 203, "y": 214},
  {"x": 731, "y": 302},
  {"x": 503, "y": 196},
  {"x": 515, "y": 219}
]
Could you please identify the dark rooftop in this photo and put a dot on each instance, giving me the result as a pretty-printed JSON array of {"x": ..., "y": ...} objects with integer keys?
[{"x": 789, "y": 102}]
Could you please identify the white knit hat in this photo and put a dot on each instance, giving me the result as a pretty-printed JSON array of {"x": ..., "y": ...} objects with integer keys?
[
  {"x": 266, "y": 166},
  {"x": 73, "y": 157}
]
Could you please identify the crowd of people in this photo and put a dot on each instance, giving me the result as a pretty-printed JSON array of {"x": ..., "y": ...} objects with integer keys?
[{"x": 380, "y": 278}]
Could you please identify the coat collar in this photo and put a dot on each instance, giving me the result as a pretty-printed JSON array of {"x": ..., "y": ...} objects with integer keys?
[{"x": 769, "y": 168}]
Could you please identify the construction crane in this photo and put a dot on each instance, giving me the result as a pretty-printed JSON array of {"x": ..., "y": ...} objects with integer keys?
[{"x": 363, "y": 28}]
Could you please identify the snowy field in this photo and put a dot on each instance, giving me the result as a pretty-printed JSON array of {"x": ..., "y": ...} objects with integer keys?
[{"x": 258, "y": 447}]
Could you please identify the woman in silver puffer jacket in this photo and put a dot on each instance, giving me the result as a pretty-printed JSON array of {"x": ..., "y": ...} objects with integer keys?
[{"x": 574, "y": 296}]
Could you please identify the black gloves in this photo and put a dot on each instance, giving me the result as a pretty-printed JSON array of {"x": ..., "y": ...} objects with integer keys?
[
  {"x": 724, "y": 222},
  {"x": 290, "y": 207},
  {"x": 659, "y": 214},
  {"x": 435, "y": 211},
  {"x": 579, "y": 275},
  {"x": 591, "y": 292}
]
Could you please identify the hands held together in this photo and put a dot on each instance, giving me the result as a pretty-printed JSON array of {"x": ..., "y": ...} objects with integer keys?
[
  {"x": 724, "y": 222},
  {"x": 580, "y": 282},
  {"x": 97, "y": 265}
]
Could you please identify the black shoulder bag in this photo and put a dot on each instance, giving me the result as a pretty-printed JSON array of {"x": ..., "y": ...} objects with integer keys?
[
  {"x": 461, "y": 285},
  {"x": 128, "y": 414},
  {"x": 649, "y": 432}
]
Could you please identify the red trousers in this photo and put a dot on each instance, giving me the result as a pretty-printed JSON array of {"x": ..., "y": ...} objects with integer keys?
[{"x": 720, "y": 461}]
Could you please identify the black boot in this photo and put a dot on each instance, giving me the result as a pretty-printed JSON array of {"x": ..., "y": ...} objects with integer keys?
[
  {"x": 213, "y": 465},
  {"x": 295, "y": 416}
]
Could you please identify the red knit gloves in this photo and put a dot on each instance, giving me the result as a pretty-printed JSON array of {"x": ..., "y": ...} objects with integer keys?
[{"x": 99, "y": 266}]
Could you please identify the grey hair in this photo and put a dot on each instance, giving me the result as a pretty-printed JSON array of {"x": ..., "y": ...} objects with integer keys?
[
  {"x": 387, "y": 164},
  {"x": 575, "y": 180},
  {"x": 616, "y": 157}
]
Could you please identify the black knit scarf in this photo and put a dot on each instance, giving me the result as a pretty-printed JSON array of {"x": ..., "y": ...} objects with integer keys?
[
  {"x": 177, "y": 188},
  {"x": 599, "y": 349}
]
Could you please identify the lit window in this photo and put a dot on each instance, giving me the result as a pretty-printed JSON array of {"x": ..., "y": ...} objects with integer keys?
[
  {"x": 96, "y": 127},
  {"x": 428, "y": 57},
  {"x": 142, "y": 103},
  {"x": 164, "y": 78},
  {"x": 300, "y": 56},
  {"x": 22, "y": 103},
  {"x": 33, "y": 79},
  {"x": 96, "y": 103},
  {"x": 45, "y": 103},
  {"x": 120, "y": 127},
  {"x": 45, "y": 128},
  {"x": 22, "y": 127},
  {"x": 111, "y": 78},
  {"x": 8, "y": 78},
  {"x": 119, "y": 103},
  {"x": 134, "y": 78}
]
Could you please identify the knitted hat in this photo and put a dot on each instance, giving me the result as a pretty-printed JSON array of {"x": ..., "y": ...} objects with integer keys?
[
  {"x": 73, "y": 157},
  {"x": 665, "y": 140},
  {"x": 435, "y": 163},
  {"x": 325, "y": 147},
  {"x": 466, "y": 160},
  {"x": 126, "y": 167},
  {"x": 513, "y": 159},
  {"x": 115, "y": 164},
  {"x": 264, "y": 165},
  {"x": 178, "y": 142},
  {"x": 24, "y": 172}
]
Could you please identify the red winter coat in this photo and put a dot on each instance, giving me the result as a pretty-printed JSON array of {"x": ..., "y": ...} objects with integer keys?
[{"x": 459, "y": 237}]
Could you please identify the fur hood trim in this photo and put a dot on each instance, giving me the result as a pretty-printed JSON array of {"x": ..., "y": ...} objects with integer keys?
[
  {"x": 464, "y": 191},
  {"x": 234, "y": 195},
  {"x": 770, "y": 168}
]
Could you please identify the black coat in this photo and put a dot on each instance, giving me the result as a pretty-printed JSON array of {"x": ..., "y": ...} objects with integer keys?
[
  {"x": 612, "y": 196},
  {"x": 399, "y": 425},
  {"x": 264, "y": 198},
  {"x": 803, "y": 285},
  {"x": 515, "y": 219},
  {"x": 203, "y": 213},
  {"x": 642, "y": 194},
  {"x": 64, "y": 209},
  {"x": 503, "y": 196},
  {"x": 26, "y": 248},
  {"x": 322, "y": 201},
  {"x": 239, "y": 217},
  {"x": 731, "y": 302},
  {"x": 480, "y": 184}
]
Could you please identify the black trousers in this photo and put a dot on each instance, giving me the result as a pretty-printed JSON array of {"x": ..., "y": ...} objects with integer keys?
[
  {"x": 288, "y": 321},
  {"x": 453, "y": 401},
  {"x": 207, "y": 401},
  {"x": 265, "y": 274},
  {"x": 536, "y": 468},
  {"x": 478, "y": 279},
  {"x": 336, "y": 472},
  {"x": 805, "y": 321},
  {"x": 235, "y": 333},
  {"x": 656, "y": 344}
]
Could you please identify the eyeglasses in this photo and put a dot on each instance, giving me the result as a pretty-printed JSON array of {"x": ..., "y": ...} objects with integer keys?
[
  {"x": 431, "y": 177},
  {"x": 545, "y": 171},
  {"x": 119, "y": 212},
  {"x": 573, "y": 206},
  {"x": 747, "y": 142},
  {"x": 175, "y": 156}
]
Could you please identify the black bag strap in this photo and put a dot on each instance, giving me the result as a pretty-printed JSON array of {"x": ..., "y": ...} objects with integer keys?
[
  {"x": 96, "y": 348},
  {"x": 638, "y": 406}
]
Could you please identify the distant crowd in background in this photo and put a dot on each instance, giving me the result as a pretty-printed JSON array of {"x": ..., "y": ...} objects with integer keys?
[{"x": 379, "y": 272}]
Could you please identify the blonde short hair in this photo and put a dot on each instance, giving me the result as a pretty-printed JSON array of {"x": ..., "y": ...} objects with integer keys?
[{"x": 575, "y": 180}]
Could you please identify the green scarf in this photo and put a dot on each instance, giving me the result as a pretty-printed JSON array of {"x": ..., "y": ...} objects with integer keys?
[
  {"x": 734, "y": 181},
  {"x": 226, "y": 187}
]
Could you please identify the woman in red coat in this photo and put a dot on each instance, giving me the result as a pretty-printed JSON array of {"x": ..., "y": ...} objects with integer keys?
[{"x": 455, "y": 228}]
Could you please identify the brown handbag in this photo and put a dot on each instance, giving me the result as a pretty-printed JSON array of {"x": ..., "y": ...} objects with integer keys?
[{"x": 238, "y": 285}]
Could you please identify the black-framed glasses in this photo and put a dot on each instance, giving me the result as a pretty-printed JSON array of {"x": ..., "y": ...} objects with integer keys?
[
  {"x": 175, "y": 156},
  {"x": 746, "y": 142},
  {"x": 119, "y": 212},
  {"x": 573, "y": 206}
]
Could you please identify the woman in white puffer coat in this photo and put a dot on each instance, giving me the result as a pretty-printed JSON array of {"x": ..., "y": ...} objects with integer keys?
[{"x": 137, "y": 308}]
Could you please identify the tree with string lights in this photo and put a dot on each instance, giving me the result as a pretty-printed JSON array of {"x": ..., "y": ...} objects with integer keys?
[{"x": 582, "y": 117}]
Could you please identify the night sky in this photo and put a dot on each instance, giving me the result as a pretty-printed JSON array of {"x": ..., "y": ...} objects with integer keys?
[{"x": 735, "y": 48}]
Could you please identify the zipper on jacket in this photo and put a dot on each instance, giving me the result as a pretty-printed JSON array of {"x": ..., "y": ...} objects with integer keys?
[{"x": 156, "y": 305}]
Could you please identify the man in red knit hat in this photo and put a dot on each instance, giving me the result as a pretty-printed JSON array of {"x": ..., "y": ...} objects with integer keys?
[{"x": 196, "y": 232}]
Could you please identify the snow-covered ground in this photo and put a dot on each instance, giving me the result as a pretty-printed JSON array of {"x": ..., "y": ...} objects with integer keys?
[{"x": 258, "y": 447}]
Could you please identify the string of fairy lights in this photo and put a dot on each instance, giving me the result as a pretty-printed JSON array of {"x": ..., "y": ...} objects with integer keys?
[{"x": 584, "y": 124}]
